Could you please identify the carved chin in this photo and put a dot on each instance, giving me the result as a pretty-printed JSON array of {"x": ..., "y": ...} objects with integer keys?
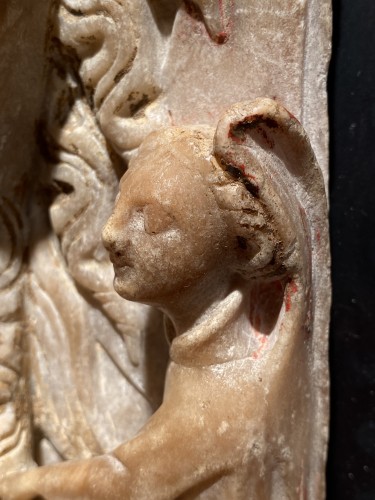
[
  {"x": 124, "y": 287},
  {"x": 129, "y": 287}
]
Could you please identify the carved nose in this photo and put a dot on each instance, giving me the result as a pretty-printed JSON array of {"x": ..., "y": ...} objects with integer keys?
[
  {"x": 109, "y": 235},
  {"x": 114, "y": 237}
]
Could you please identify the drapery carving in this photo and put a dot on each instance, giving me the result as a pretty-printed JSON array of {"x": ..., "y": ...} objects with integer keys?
[
  {"x": 14, "y": 422},
  {"x": 21, "y": 92}
]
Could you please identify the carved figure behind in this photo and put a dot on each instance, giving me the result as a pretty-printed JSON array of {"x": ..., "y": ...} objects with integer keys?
[{"x": 225, "y": 233}]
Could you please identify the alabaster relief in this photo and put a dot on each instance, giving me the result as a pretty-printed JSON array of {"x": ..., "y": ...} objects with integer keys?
[
  {"x": 224, "y": 231},
  {"x": 114, "y": 72},
  {"x": 82, "y": 369}
]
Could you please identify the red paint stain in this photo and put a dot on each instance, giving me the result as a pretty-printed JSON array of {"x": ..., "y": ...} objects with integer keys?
[
  {"x": 292, "y": 288},
  {"x": 242, "y": 167},
  {"x": 262, "y": 339},
  {"x": 222, "y": 37},
  {"x": 318, "y": 236},
  {"x": 293, "y": 117},
  {"x": 227, "y": 24}
]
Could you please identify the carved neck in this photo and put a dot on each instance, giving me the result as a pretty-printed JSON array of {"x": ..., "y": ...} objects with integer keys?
[
  {"x": 224, "y": 332},
  {"x": 222, "y": 335}
]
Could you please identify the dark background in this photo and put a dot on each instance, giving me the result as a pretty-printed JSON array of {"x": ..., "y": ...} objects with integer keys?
[{"x": 351, "y": 460}]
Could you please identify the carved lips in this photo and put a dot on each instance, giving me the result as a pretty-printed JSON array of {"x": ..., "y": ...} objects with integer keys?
[{"x": 119, "y": 260}]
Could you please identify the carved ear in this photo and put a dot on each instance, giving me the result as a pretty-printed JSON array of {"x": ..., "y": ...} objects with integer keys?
[{"x": 265, "y": 146}]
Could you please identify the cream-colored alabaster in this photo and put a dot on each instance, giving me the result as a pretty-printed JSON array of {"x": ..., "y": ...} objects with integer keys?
[
  {"x": 83, "y": 84},
  {"x": 243, "y": 281},
  {"x": 179, "y": 63},
  {"x": 115, "y": 71}
]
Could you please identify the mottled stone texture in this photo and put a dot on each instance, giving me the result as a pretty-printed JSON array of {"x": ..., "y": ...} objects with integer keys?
[
  {"x": 23, "y": 28},
  {"x": 84, "y": 83}
]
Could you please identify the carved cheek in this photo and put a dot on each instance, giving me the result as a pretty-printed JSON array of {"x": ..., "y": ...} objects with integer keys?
[{"x": 208, "y": 232}]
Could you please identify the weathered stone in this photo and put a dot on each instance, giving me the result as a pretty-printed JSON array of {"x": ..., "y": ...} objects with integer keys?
[{"x": 86, "y": 82}]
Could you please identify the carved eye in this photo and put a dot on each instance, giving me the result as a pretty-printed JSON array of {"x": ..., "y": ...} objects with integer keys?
[{"x": 156, "y": 219}]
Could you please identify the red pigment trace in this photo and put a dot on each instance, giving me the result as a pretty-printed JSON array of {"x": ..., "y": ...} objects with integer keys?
[
  {"x": 222, "y": 37},
  {"x": 249, "y": 176},
  {"x": 263, "y": 340},
  {"x": 291, "y": 290}
]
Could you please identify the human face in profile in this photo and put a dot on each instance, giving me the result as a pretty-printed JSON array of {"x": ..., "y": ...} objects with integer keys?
[{"x": 166, "y": 232}]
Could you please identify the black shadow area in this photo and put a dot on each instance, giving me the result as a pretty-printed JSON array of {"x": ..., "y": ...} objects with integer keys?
[{"x": 351, "y": 461}]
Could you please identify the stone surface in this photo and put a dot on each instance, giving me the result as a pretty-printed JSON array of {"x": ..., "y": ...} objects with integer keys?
[
  {"x": 226, "y": 233},
  {"x": 22, "y": 66},
  {"x": 104, "y": 74}
]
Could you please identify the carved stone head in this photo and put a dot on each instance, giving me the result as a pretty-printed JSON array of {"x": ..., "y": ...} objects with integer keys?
[{"x": 199, "y": 206}]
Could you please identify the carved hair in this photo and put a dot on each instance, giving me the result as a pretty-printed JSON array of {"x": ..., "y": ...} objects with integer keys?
[{"x": 260, "y": 249}]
